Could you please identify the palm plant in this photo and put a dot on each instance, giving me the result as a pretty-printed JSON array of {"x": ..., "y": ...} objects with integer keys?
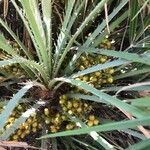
[{"x": 46, "y": 70}]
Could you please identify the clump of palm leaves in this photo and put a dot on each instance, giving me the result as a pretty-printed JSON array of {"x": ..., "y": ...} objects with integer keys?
[{"x": 56, "y": 67}]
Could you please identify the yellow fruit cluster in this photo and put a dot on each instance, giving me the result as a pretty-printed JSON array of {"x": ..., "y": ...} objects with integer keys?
[
  {"x": 77, "y": 108},
  {"x": 106, "y": 43},
  {"x": 12, "y": 69},
  {"x": 98, "y": 78},
  {"x": 53, "y": 120},
  {"x": 57, "y": 121},
  {"x": 74, "y": 106},
  {"x": 31, "y": 125},
  {"x": 92, "y": 121}
]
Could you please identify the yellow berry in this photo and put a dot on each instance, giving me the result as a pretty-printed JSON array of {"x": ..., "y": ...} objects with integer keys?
[
  {"x": 75, "y": 104},
  {"x": 47, "y": 120},
  {"x": 96, "y": 122},
  {"x": 19, "y": 132},
  {"x": 77, "y": 79},
  {"x": 19, "y": 107},
  {"x": 110, "y": 80},
  {"x": 83, "y": 58},
  {"x": 64, "y": 97},
  {"x": 79, "y": 110},
  {"x": 82, "y": 67},
  {"x": 69, "y": 105},
  {"x": 29, "y": 120},
  {"x": 98, "y": 74},
  {"x": 111, "y": 71},
  {"x": 34, "y": 130},
  {"x": 108, "y": 45},
  {"x": 11, "y": 119},
  {"x": 53, "y": 129},
  {"x": 69, "y": 127},
  {"x": 103, "y": 59},
  {"x": 40, "y": 126},
  {"x": 8, "y": 126},
  {"x": 70, "y": 112},
  {"x": 85, "y": 105},
  {"x": 27, "y": 132},
  {"x": 33, "y": 115},
  {"x": 93, "y": 79},
  {"x": 85, "y": 78},
  {"x": 23, "y": 135},
  {"x": 46, "y": 111},
  {"x": 15, "y": 137},
  {"x": 34, "y": 124},
  {"x": 92, "y": 117},
  {"x": 57, "y": 120},
  {"x": 62, "y": 101},
  {"x": 90, "y": 123},
  {"x": 64, "y": 108},
  {"x": 63, "y": 117}
]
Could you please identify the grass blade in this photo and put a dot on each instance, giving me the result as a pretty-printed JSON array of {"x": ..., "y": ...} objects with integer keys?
[
  {"x": 16, "y": 38},
  {"x": 35, "y": 22},
  {"x": 132, "y": 73},
  {"x": 62, "y": 36},
  {"x": 124, "y": 55},
  {"x": 100, "y": 27},
  {"x": 112, "y": 26},
  {"x": 6, "y": 47},
  {"x": 109, "y": 99},
  {"x": 93, "y": 134},
  {"x": 141, "y": 102},
  {"x": 101, "y": 128},
  {"x": 97, "y": 41},
  {"x": 32, "y": 65},
  {"x": 93, "y": 14},
  {"x": 134, "y": 7},
  {"x": 26, "y": 24},
  {"x": 99, "y": 67},
  {"x": 143, "y": 145},
  {"x": 87, "y": 97},
  {"x": 47, "y": 18}
]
